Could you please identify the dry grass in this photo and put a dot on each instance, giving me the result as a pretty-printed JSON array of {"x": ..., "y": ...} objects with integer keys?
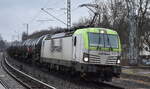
[{"x": 135, "y": 72}]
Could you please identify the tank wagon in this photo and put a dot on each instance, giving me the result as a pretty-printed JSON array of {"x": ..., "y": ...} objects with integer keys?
[
  {"x": 32, "y": 48},
  {"x": 93, "y": 52},
  {"x": 29, "y": 49},
  {"x": 13, "y": 50}
]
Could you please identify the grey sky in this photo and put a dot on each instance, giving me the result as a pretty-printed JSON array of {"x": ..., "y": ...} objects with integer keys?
[{"x": 15, "y": 13}]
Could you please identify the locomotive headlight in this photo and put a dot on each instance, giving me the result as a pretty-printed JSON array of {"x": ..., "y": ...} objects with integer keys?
[
  {"x": 86, "y": 59},
  {"x": 102, "y": 31},
  {"x": 118, "y": 61}
]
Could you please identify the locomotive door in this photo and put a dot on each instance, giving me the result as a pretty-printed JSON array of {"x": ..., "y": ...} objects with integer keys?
[{"x": 76, "y": 48}]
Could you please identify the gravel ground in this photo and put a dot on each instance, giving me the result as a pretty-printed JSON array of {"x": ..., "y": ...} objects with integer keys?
[
  {"x": 8, "y": 80},
  {"x": 1, "y": 86},
  {"x": 131, "y": 84},
  {"x": 140, "y": 72},
  {"x": 58, "y": 80}
]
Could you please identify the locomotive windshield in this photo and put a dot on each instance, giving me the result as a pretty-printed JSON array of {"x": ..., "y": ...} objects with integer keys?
[{"x": 103, "y": 40}]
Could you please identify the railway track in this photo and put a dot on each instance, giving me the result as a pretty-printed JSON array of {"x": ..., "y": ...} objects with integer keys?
[
  {"x": 62, "y": 82},
  {"x": 4, "y": 84},
  {"x": 105, "y": 85},
  {"x": 24, "y": 79}
]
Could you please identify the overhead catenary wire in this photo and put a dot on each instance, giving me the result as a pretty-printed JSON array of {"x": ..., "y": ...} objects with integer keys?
[
  {"x": 58, "y": 1},
  {"x": 53, "y": 16},
  {"x": 36, "y": 15},
  {"x": 53, "y": 9},
  {"x": 74, "y": 9},
  {"x": 74, "y": 4},
  {"x": 38, "y": 12}
]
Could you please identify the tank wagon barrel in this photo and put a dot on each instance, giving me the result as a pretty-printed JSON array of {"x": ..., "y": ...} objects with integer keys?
[{"x": 27, "y": 49}]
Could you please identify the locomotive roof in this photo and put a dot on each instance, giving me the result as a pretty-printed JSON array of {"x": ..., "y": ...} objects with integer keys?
[
  {"x": 97, "y": 30},
  {"x": 80, "y": 31}
]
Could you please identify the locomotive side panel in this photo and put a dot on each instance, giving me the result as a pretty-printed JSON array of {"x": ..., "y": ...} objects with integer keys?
[
  {"x": 45, "y": 48},
  {"x": 57, "y": 51},
  {"x": 67, "y": 49}
]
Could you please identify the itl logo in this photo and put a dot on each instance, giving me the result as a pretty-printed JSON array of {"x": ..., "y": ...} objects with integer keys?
[
  {"x": 56, "y": 45},
  {"x": 104, "y": 54}
]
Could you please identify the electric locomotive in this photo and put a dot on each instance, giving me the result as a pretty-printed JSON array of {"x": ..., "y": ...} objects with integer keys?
[{"x": 93, "y": 52}]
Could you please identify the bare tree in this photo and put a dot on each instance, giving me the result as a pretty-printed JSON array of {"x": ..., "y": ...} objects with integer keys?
[
  {"x": 118, "y": 12},
  {"x": 24, "y": 36},
  {"x": 1, "y": 37},
  {"x": 137, "y": 10},
  {"x": 2, "y": 43},
  {"x": 132, "y": 28},
  {"x": 143, "y": 6}
]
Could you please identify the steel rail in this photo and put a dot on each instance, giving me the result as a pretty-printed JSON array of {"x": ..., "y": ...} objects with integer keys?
[
  {"x": 4, "y": 84},
  {"x": 114, "y": 86},
  {"x": 24, "y": 74},
  {"x": 18, "y": 80}
]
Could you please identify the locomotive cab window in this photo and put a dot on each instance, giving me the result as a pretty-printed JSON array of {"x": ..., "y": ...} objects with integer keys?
[
  {"x": 75, "y": 41},
  {"x": 103, "y": 40}
]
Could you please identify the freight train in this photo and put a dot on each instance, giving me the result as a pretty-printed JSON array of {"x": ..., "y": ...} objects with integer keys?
[{"x": 91, "y": 52}]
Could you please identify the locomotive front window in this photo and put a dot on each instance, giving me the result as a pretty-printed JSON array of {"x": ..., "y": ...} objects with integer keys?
[
  {"x": 113, "y": 39},
  {"x": 96, "y": 39},
  {"x": 103, "y": 40}
]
